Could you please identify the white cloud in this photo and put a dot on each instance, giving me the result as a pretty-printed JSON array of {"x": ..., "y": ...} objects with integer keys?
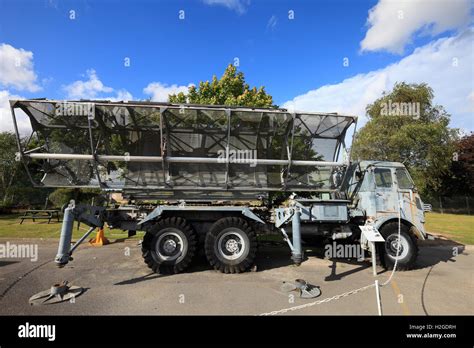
[
  {"x": 445, "y": 64},
  {"x": 6, "y": 121},
  {"x": 94, "y": 88},
  {"x": 88, "y": 89},
  {"x": 239, "y": 6},
  {"x": 160, "y": 91},
  {"x": 122, "y": 95},
  {"x": 392, "y": 24},
  {"x": 16, "y": 69}
]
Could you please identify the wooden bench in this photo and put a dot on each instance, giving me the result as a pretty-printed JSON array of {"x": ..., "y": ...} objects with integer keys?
[{"x": 40, "y": 214}]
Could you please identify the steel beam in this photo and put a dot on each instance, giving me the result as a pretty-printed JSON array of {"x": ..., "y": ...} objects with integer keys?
[{"x": 204, "y": 160}]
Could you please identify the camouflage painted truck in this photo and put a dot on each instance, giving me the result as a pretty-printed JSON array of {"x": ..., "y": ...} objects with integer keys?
[{"x": 215, "y": 177}]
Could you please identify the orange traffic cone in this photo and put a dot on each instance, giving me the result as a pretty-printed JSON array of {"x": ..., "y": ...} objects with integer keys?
[{"x": 99, "y": 239}]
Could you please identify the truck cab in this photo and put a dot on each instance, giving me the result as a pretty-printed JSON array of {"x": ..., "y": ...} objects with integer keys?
[{"x": 383, "y": 191}]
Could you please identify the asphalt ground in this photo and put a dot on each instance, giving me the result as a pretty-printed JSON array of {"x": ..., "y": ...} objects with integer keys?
[{"x": 117, "y": 282}]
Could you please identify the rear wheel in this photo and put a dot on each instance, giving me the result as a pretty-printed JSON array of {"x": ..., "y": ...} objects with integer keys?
[
  {"x": 169, "y": 245},
  {"x": 231, "y": 245},
  {"x": 406, "y": 247}
]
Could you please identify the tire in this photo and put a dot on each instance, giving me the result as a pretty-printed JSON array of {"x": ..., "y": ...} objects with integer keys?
[
  {"x": 388, "y": 250},
  {"x": 231, "y": 245},
  {"x": 169, "y": 245}
]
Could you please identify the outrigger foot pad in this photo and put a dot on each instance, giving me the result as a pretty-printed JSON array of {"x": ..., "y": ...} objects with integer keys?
[
  {"x": 58, "y": 293},
  {"x": 305, "y": 289}
]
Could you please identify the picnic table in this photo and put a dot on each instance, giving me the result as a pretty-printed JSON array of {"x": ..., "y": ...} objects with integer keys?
[{"x": 37, "y": 214}]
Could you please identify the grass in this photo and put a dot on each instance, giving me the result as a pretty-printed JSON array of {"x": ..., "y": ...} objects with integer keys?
[
  {"x": 459, "y": 228},
  {"x": 10, "y": 228}
]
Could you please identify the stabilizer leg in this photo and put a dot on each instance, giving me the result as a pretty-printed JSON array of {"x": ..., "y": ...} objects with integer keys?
[
  {"x": 296, "y": 253},
  {"x": 63, "y": 255}
]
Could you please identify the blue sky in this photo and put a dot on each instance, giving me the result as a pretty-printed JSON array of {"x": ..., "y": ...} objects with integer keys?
[{"x": 298, "y": 60}]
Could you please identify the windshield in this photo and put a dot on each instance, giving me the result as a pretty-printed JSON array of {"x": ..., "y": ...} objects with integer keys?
[{"x": 403, "y": 179}]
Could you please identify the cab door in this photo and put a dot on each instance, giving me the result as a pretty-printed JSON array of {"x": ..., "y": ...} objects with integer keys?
[
  {"x": 386, "y": 197},
  {"x": 412, "y": 206}
]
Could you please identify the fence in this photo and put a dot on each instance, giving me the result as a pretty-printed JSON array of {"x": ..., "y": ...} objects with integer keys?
[{"x": 452, "y": 205}]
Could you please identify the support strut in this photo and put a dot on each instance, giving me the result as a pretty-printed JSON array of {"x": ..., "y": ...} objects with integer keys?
[
  {"x": 63, "y": 255},
  {"x": 90, "y": 215},
  {"x": 296, "y": 253}
]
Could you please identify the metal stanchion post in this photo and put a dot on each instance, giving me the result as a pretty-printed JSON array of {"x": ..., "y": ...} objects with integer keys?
[
  {"x": 377, "y": 293},
  {"x": 374, "y": 261}
]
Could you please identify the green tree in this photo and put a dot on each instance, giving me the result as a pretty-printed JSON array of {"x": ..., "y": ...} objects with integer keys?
[
  {"x": 460, "y": 179},
  {"x": 231, "y": 89},
  {"x": 15, "y": 186},
  {"x": 8, "y": 165},
  {"x": 62, "y": 196},
  {"x": 421, "y": 139}
]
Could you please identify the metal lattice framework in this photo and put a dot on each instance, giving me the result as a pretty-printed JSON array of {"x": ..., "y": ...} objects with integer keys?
[{"x": 163, "y": 150}]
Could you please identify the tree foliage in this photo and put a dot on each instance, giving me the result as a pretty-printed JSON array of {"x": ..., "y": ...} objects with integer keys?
[
  {"x": 15, "y": 186},
  {"x": 460, "y": 179},
  {"x": 421, "y": 140},
  {"x": 8, "y": 165},
  {"x": 231, "y": 89},
  {"x": 61, "y": 196}
]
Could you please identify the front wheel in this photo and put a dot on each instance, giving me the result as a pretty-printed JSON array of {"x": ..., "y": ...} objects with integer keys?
[
  {"x": 406, "y": 247},
  {"x": 231, "y": 245}
]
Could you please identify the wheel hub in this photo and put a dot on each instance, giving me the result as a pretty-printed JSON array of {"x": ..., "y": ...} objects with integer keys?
[
  {"x": 169, "y": 246},
  {"x": 396, "y": 246},
  {"x": 232, "y": 246}
]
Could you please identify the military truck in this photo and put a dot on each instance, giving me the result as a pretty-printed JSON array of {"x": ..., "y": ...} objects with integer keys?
[{"x": 212, "y": 178}]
